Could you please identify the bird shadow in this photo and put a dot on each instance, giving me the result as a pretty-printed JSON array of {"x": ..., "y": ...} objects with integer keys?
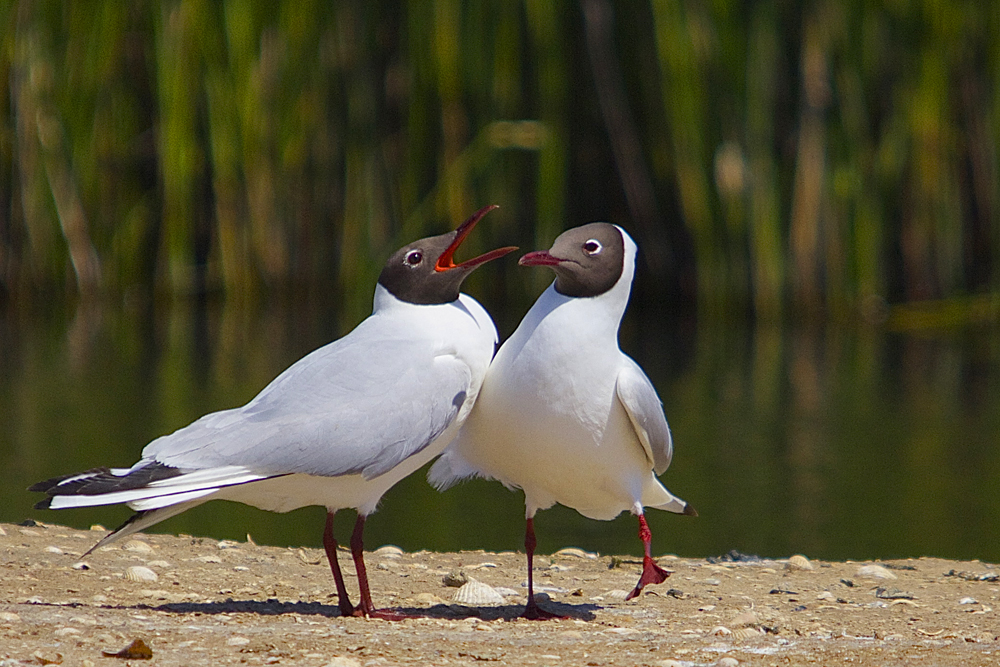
[{"x": 272, "y": 607}]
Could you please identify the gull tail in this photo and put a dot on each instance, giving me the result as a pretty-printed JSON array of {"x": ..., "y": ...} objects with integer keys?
[
  {"x": 156, "y": 491},
  {"x": 449, "y": 470},
  {"x": 656, "y": 496}
]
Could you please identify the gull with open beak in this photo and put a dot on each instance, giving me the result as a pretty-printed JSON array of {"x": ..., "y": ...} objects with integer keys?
[{"x": 339, "y": 427}]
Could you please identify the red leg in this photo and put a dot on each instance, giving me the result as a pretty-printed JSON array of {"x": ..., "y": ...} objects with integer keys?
[
  {"x": 531, "y": 610},
  {"x": 651, "y": 572},
  {"x": 365, "y": 606},
  {"x": 330, "y": 545}
]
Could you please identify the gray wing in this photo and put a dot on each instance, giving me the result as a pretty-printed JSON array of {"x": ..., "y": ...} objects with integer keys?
[
  {"x": 361, "y": 404},
  {"x": 638, "y": 396}
]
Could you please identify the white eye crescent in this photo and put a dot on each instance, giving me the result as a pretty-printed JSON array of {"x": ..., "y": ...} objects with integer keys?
[
  {"x": 414, "y": 257},
  {"x": 592, "y": 246}
]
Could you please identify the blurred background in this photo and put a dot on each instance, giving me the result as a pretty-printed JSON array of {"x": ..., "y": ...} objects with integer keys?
[{"x": 194, "y": 194}]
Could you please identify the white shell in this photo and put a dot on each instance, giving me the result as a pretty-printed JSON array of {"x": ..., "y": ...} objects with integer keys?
[
  {"x": 389, "y": 551},
  {"x": 138, "y": 546},
  {"x": 615, "y": 594},
  {"x": 140, "y": 573},
  {"x": 875, "y": 572},
  {"x": 475, "y": 592},
  {"x": 799, "y": 562},
  {"x": 739, "y": 634},
  {"x": 573, "y": 552}
]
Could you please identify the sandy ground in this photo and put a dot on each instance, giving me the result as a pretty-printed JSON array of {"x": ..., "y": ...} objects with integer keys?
[{"x": 196, "y": 601}]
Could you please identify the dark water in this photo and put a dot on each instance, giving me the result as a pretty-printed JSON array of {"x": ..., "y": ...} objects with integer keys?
[{"x": 837, "y": 442}]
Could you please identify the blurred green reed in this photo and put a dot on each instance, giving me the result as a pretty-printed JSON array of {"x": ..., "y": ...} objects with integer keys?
[{"x": 774, "y": 158}]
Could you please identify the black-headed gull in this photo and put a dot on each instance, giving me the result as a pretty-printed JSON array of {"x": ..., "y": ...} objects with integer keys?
[
  {"x": 563, "y": 413},
  {"x": 339, "y": 427}
]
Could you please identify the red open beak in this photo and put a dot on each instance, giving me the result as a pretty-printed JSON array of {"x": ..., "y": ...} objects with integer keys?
[
  {"x": 446, "y": 261},
  {"x": 539, "y": 258}
]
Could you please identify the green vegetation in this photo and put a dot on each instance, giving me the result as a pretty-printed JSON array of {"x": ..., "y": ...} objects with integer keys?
[{"x": 774, "y": 157}]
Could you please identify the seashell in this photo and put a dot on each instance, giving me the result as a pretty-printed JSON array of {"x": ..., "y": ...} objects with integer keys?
[
  {"x": 968, "y": 600},
  {"x": 162, "y": 563},
  {"x": 229, "y": 544},
  {"x": 303, "y": 556},
  {"x": 727, "y": 662},
  {"x": 2, "y": 531},
  {"x": 745, "y": 619},
  {"x": 97, "y": 527},
  {"x": 138, "y": 546},
  {"x": 721, "y": 630},
  {"x": 343, "y": 661},
  {"x": 475, "y": 592},
  {"x": 389, "y": 551},
  {"x": 455, "y": 579},
  {"x": 615, "y": 594},
  {"x": 573, "y": 552},
  {"x": 799, "y": 562},
  {"x": 739, "y": 634},
  {"x": 875, "y": 572},
  {"x": 54, "y": 550},
  {"x": 81, "y": 566},
  {"x": 140, "y": 573}
]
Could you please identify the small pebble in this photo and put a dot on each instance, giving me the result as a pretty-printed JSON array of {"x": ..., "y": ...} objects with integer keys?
[
  {"x": 968, "y": 600},
  {"x": 54, "y": 550},
  {"x": 455, "y": 579},
  {"x": 237, "y": 641},
  {"x": 727, "y": 662},
  {"x": 208, "y": 559},
  {"x": 81, "y": 566}
]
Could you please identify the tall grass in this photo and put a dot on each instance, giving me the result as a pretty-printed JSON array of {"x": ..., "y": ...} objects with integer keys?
[{"x": 779, "y": 158}]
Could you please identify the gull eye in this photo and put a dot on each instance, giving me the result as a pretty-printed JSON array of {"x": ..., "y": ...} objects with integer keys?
[
  {"x": 592, "y": 246},
  {"x": 414, "y": 257}
]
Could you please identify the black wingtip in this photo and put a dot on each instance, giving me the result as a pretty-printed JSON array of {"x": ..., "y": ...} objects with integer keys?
[
  {"x": 689, "y": 511},
  {"x": 43, "y": 504}
]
